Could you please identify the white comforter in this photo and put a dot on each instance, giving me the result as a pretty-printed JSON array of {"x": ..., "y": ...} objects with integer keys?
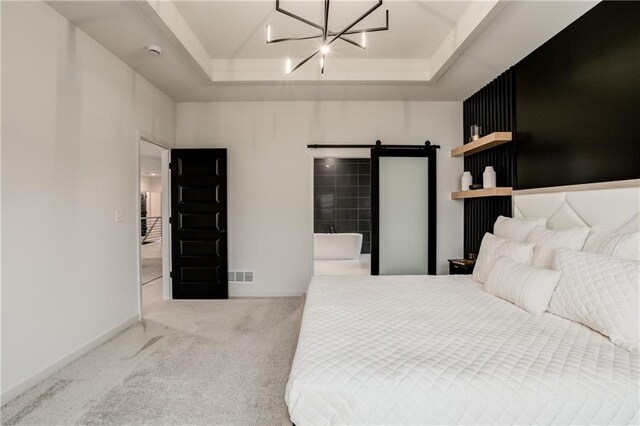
[{"x": 440, "y": 350}]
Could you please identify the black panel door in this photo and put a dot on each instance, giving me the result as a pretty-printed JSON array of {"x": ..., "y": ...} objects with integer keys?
[{"x": 199, "y": 223}]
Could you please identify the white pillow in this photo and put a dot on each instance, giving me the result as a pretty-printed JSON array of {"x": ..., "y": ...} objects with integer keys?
[
  {"x": 626, "y": 246},
  {"x": 547, "y": 241},
  {"x": 516, "y": 230},
  {"x": 600, "y": 292},
  {"x": 492, "y": 248},
  {"x": 523, "y": 285}
]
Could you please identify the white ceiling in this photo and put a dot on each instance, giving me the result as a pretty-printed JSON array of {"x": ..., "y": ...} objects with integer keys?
[
  {"x": 236, "y": 29},
  {"x": 215, "y": 50}
]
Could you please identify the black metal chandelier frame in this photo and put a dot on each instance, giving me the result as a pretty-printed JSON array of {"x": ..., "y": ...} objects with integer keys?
[{"x": 328, "y": 37}]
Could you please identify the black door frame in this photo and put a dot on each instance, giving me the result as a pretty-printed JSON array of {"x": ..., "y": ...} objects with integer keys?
[{"x": 427, "y": 151}]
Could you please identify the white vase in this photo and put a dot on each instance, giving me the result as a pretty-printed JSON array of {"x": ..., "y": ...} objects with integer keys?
[
  {"x": 466, "y": 181},
  {"x": 489, "y": 177}
]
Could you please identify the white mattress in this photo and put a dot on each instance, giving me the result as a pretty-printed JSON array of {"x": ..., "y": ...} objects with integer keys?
[{"x": 440, "y": 350}]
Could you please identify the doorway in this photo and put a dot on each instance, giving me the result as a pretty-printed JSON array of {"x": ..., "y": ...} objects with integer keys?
[
  {"x": 341, "y": 216},
  {"x": 152, "y": 228}
]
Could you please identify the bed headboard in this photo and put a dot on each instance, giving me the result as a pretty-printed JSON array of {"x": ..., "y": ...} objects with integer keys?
[{"x": 613, "y": 206}]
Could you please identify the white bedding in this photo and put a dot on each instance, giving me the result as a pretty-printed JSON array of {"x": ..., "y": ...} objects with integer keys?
[{"x": 440, "y": 350}]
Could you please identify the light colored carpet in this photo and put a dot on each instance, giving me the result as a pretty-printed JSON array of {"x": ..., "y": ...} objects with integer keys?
[
  {"x": 151, "y": 262},
  {"x": 189, "y": 362}
]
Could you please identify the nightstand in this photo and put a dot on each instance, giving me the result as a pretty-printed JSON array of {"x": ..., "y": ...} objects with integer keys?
[{"x": 461, "y": 266}]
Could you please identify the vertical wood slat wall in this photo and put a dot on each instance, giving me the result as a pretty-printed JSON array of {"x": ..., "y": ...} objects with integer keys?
[{"x": 493, "y": 108}]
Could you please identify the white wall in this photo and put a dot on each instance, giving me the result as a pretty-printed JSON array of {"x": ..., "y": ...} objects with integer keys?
[
  {"x": 270, "y": 227},
  {"x": 150, "y": 183},
  {"x": 70, "y": 112}
]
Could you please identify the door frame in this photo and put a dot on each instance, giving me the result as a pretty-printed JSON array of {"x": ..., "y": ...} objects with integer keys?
[
  {"x": 166, "y": 230},
  {"x": 428, "y": 152}
]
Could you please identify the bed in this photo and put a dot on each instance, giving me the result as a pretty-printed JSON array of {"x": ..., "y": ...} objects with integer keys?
[{"x": 441, "y": 350}]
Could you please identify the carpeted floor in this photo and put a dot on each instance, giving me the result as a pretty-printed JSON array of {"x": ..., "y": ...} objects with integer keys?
[{"x": 189, "y": 362}]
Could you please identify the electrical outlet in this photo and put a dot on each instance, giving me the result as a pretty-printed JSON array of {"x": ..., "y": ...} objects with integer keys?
[{"x": 119, "y": 216}]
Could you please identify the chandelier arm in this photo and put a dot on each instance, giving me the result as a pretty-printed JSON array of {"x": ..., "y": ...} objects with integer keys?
[
  {"x": 356, "y": 22},
  {"x": 355, "y": 43},
  {"x": 280, "y": 40},
  {"x": 325, "y": 30},
  {"x": 299, "y": 18},
  {"x": 304, "y": 61},
  {"x": 365, "y": 30}
]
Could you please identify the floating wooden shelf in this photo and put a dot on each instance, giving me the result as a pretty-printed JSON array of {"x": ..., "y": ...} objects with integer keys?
[
  {"x": 485, "y": 142},
  {"x": 477, "y": 193}
]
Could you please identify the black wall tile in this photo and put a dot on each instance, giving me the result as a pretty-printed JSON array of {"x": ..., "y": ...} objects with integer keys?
[
  {"x": 346, "y": 214},
  {"x": 346, "y": 180},
  {"x": 347, "y": 191},
  {"x": 325, "y": 180},
  {"x": 348, "y": 203},
  {"x": 364, "y": 203},
  {"x": 342, "y": 197},
  {"x": 347, "y": 225}
]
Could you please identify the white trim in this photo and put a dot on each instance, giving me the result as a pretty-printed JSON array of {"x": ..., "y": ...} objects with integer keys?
[
  {"x": 166, "y": 203},
  {"x": 631, "y": 183},
  {"x": 41, "y": 375}
]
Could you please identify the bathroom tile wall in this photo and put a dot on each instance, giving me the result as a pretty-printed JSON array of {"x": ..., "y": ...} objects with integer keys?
[{"x": 342, "y": 197}]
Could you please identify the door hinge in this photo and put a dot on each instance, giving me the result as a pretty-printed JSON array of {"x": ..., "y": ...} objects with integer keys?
[
  {"x": 170, "y": 165},
  {"x": 170, "y": 219},
  {"x": 170, "y": 274}
]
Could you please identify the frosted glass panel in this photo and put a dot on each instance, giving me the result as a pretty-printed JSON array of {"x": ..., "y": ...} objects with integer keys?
[{"x": 403, "y": 216}]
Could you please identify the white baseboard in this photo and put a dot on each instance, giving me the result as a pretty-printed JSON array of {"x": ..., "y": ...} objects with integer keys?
[
  {"x": 257, "y": 293},
  {"x": 38, "y": 377}
]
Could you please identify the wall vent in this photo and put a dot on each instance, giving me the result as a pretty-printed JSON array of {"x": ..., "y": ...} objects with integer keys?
[{"x": 241, "y": 276}]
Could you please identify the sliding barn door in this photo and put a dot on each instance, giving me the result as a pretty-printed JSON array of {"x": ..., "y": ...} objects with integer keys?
[
  {"x": 199, "y": 223},
  {"x": 403, "y": 211}
]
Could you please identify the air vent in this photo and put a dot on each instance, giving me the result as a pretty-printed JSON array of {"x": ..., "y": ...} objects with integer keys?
[{"x": 241, "y": 277}]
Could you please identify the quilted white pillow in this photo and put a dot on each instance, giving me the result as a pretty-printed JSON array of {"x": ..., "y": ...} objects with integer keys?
[
  {"x": 492, "y": 248},
  {"x": 516, "y": 230},
  {"x": 600, "y": 292},
  {"x": 547, "y": 241},
  {"x": 626, "y": 246},
  {"x": 523, "y": 285}
]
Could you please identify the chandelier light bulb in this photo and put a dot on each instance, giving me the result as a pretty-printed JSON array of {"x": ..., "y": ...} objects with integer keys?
[
  {"x": 364, "y": 39},
  {"x": 268, "y": 33},
  {"x": 287, "y": 66},
  {"x": 322, "y": 63},
  {"x": 325, "y": 49}
]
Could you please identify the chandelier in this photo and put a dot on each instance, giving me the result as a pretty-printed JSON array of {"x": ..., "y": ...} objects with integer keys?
[{"x": 327, "y": 36}]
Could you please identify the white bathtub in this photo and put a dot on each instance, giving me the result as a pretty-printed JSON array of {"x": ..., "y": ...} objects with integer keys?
[{"x": 337, "y": 246}]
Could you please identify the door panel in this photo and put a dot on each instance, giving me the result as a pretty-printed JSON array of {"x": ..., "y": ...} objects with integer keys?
[
  {"x": 199, "y": 223},
  {"x": 403, "y": 210}
]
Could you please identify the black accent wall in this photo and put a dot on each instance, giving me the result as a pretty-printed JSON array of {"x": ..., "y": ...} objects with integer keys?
[
  {"x": 342, "y": 197},
  {"x": 578, "y": 101},
  {"x": 573, "y": 106},
  {"x": 492, "y": 107}
]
